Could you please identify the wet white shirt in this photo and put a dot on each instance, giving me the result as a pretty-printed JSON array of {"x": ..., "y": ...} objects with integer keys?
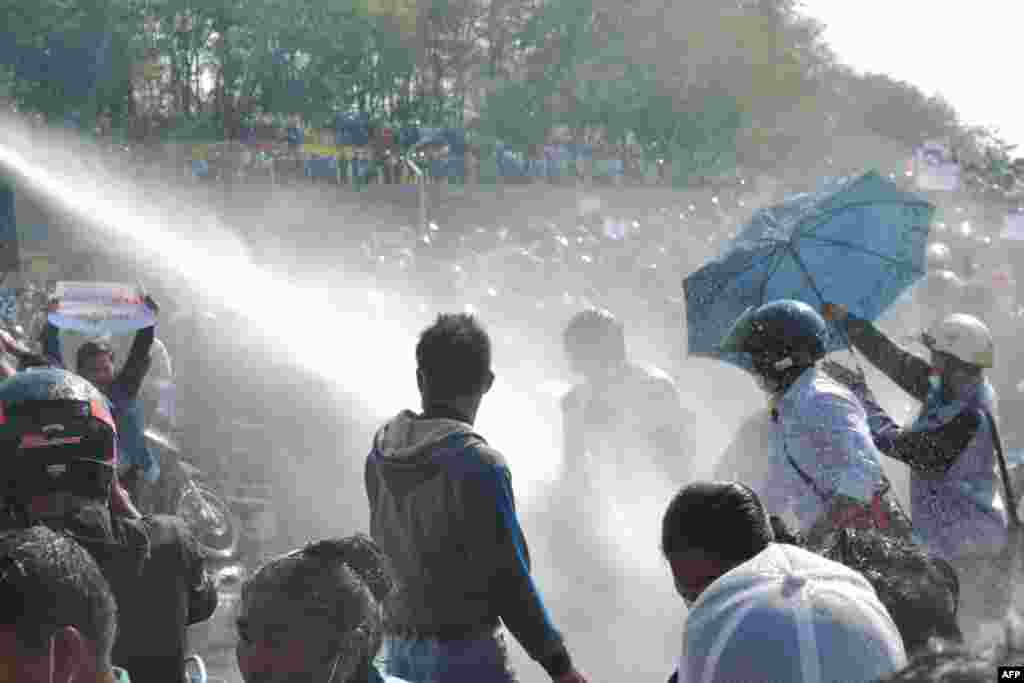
[{"x": 822, "y": 426}]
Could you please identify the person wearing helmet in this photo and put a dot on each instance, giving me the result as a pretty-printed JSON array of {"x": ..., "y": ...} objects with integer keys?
[
  {"x": 825, "y": 470},
  {"x": 94, "y": 361},
  {"x": 956, "y": 501},
  {"x": 621, "y": 408},
  {"x": 60, "y": 445}
]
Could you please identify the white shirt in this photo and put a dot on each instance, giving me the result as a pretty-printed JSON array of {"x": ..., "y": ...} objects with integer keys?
[{"x": 822, "y": 426}]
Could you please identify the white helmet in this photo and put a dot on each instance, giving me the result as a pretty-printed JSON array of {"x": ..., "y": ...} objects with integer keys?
[{"x": 964, "y": 337}]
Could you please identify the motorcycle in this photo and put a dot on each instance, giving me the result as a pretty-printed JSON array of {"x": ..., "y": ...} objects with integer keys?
[{"x": 182, "y": 491}]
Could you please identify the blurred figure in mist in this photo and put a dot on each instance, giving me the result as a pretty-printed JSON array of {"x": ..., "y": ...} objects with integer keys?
[
  {"x": 621, "y": 411},
  {"x": 957, "y": 501},
  {"x": 627, "y": 440},
  {"x": 158, "y": 389}
]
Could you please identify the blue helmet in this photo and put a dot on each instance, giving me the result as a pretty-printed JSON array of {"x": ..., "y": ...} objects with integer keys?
[{"x": 780, "y": 329}]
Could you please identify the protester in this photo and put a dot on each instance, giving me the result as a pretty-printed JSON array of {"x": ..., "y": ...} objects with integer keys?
[
  {"x": 825, "y": 469},
  {"x": 95, "y": 361},
  {"x": 789, "y": 615},
  {"x": 699, "y": 551},
  {"x": 621, "y": 409},
  {"x": 58, "y": 617},
  {"x": 316, "y": 613},
  {"x": 61, "y": 449},
  {"x": 956, "y": 501},
  {"x": 921, "y": 592},
  {"x": 442, "y": 508}
]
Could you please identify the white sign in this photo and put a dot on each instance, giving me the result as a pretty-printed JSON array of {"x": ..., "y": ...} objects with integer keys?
[
  {"x": 1014, "y": 228},
  {"x": 99, "y": 308}
]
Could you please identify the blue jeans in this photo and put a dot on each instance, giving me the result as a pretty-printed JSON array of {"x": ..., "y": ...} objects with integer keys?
[{"x": 428, "y": 660}]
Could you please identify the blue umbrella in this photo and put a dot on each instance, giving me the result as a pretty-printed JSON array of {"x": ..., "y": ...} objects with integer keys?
[{"x": 858, "y": 242}]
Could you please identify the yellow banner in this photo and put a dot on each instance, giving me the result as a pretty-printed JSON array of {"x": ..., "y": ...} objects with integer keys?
[
  {"x": 39, "y": 265},
  {"x": 313, "y": 148},
  {"x": 403, "y": 11}
]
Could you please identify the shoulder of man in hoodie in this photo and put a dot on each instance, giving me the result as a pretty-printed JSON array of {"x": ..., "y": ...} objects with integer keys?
[{"x": 474, "y": 453}]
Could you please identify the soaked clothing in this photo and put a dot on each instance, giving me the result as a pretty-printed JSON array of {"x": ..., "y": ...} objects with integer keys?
[
  {"x": 955, "y": 495},
  {"x": 442, "y": 508},
  {"x": 639, "y": 410},
  {"x": 747, "y": 458},
  {"x": 825, "y": 468},
  {"x": 157, "y": 575},
  {"x": 124, "y": 398}
]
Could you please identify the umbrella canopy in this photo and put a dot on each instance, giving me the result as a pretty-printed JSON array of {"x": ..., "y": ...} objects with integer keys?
[{"x": 858, "y": 242}]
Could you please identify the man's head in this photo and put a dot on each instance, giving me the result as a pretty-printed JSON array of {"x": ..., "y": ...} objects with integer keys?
[
  {"x": 95, "y": 362},
  {"x": 594, "y": 341},
  {"x": 453, "y": 361},
  {"x": 314, "y": 614},
  {"x": 58, "y": 618},
  {"x": 710, "y": 528},
  {"x": 921, "y": 592}
]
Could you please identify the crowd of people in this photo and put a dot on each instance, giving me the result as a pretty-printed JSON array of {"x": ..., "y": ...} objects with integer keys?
[
  {"x": 795, "y": 562},
  {"x": 844, "y": 589}
]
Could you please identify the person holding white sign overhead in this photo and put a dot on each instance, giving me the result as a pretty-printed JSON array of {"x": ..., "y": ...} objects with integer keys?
[{"x": 139, "y": 467}]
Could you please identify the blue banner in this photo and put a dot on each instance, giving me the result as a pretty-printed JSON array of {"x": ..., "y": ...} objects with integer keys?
[
  {"x": 452, "y": 167},
  {"x": 8, "y": 304},
  {"x": 352, "y": 129},
  {"x": 9, "y": 257},
  {"x": 360, "y": 167},
  {"x": 322, "y": 168},
  {"x": 76, "y": 63}
]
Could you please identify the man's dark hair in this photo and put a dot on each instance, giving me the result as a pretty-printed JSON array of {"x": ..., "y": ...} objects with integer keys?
[
  {"x": 48, "y": 581},
  {"x": 90, "y": 350},
  {"x": 454, "y": 356},
  {"x": 723, "y": 518},
  {"x": 343, "y": 581},
  {"x": 918, "y": 590}
]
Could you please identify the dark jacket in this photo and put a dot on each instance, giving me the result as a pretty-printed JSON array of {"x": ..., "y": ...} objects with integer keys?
[
  {"x": 442, "y": 508},
  {"x": 158, "y": 576}
]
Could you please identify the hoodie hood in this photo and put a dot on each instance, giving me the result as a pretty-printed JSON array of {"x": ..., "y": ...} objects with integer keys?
[{"x": 409, "y": 439}]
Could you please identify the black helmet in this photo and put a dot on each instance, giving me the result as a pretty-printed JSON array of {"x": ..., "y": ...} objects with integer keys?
[
  {"x": 783, "y": 337},
  {"x": 787, "y": 326},
  {"x": 595, "y": 334},
  {"x": 59, "y": 436}
]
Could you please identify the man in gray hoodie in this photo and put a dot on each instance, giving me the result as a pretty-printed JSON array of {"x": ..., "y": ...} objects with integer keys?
[{"x": 442, "y": 508}]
